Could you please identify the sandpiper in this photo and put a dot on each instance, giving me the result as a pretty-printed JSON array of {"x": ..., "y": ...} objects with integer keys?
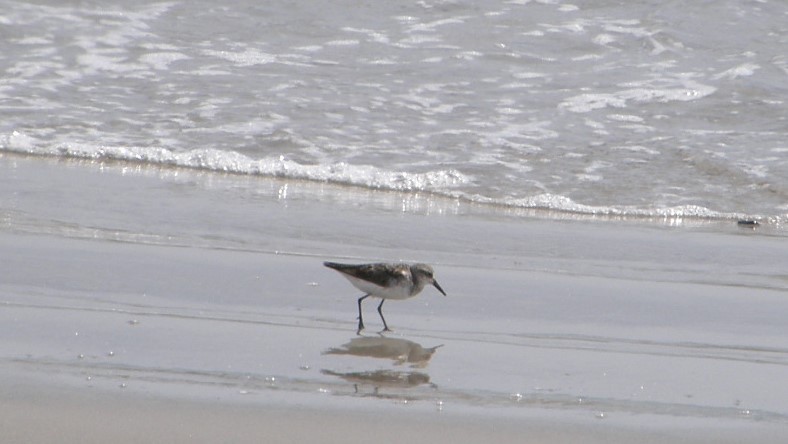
[{"x": 386, "y": 281}]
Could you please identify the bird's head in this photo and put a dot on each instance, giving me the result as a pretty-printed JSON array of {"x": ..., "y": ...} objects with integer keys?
[{"x": 424, "y": 273}]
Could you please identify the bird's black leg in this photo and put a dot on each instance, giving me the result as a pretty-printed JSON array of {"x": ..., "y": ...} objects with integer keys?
[
  {"x": 360, "y": 317},
  {"x": 380, "y": 311}
]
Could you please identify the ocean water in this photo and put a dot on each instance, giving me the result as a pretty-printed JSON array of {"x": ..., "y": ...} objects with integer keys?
[{"x": 644, "y": 109}]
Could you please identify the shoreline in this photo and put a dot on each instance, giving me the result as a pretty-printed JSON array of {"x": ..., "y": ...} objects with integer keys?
[{"x": 388, "y": 199}]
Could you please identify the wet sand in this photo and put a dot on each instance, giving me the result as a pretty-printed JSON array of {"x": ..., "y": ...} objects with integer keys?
[
  {"x": 33, "y": 414},
  {"x": 167, "y": 305},
  {"x": 109, "y": 341}
]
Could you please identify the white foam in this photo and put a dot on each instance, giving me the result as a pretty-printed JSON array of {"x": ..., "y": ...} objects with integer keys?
[
  {"x": 625, "y": 27},
  {"x": 584, "y": 103},
  {"x": 383, "y": 62},
  {"x": 24, "y": 69},
  {"x": 346, "y": 42},
  {"x": 33, "y": 40},
  {"x": 625, "y": 118},
  {"x": 554, "y": 202},
  {"x": 162, "y": 60},
  {"x": 237, "y": 163},
  {"x": 309, "y": 48},
  {"x": 431, "y": 26},
  {"x": 373, "y": 35},
  {"x": 96, "y": 61},
  {"x": 743, "y": 70},
  {"x": 637, "y": 149},
  {"x": 248, "y": 57},
  {"x": 528, "y": 75},
  {"x": 18, "y": 142},
  {"x": 415, "y": 40},
  {"x": 604, "y": 39}
]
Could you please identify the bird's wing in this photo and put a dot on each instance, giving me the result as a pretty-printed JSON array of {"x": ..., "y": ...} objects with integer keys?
[{"x": 382, "y": 275}]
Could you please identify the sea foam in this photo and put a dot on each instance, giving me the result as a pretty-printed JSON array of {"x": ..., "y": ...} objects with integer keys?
[
  {"x": 237, "y": 163},
  {"x": 441, "y": 183}
]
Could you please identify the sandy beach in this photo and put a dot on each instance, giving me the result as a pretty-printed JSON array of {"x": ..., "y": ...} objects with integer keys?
[
  {"x": 600, "y": 187},
  {"x": 128, "y": 331}
]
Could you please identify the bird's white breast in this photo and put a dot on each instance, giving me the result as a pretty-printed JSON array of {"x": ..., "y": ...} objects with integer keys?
[{"x": 396, "y": 292}]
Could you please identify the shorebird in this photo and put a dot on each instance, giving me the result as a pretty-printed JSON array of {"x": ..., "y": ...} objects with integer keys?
[{"x": 386, "y": 281}]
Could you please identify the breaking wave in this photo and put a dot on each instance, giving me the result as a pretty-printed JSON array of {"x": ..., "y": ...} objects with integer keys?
[{"x": 449, "y": 183}]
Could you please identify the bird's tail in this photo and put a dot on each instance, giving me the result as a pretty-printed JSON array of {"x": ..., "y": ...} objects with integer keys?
[{"x": 336, "y": 266}]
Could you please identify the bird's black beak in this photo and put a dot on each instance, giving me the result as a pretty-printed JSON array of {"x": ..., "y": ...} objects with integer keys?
[{"x": 435, "y": 283}]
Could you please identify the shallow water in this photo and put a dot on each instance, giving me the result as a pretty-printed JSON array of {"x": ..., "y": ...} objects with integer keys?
[{"x": 654, "y": 109}]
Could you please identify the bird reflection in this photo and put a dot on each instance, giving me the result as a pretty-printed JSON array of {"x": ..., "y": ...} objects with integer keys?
[
  {"x": 382, "y": 378},
  {"x": 401, "y": 351}
]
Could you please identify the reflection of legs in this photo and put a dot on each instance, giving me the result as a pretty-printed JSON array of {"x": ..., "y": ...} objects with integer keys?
[
  {"x": 380, "y": 311},
  {"x": 360, "y": 317}
]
